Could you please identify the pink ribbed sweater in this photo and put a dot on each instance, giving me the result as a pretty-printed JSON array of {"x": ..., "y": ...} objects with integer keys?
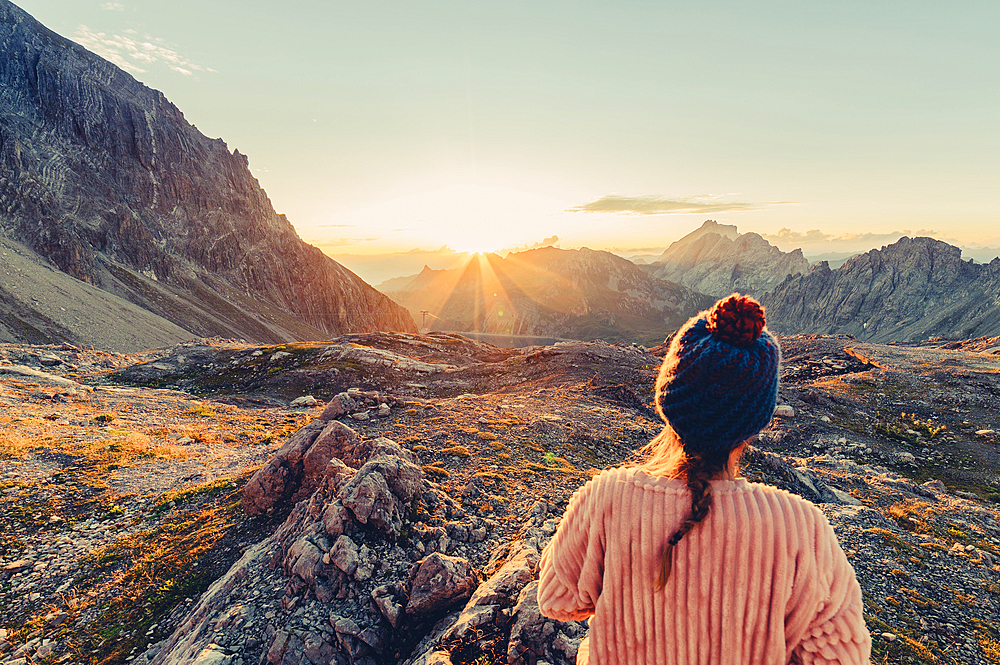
[{"x": 761, "y": 580}]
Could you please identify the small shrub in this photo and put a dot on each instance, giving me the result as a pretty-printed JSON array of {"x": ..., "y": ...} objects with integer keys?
[
  {"x": 435, "y": 471},
  {"x": 200, "y": 411},
  {"x": 104, "y": 418}
]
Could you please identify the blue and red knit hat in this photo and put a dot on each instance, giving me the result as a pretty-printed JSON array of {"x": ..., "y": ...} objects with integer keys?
[{"x": 719, "y": 381}]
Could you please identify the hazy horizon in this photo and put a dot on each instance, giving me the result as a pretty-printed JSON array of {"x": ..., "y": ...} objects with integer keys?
[{"x": 383, "y": 129}]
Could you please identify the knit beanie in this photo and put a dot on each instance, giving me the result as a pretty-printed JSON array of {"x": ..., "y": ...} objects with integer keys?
[{"x": 719, "y": 381}]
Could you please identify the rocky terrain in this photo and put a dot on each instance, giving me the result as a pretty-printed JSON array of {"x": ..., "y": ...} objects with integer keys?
[
  {"x": 104, "y": 179},
  {"x": 717, "y": 260},
  {"x": 550, "y": 292},
  {"x": 383, "y": 498},
  {"x": 915, "y": 288}
]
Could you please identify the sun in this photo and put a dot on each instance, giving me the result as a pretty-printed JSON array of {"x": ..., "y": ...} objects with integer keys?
[{"x": 467, "y": 218}]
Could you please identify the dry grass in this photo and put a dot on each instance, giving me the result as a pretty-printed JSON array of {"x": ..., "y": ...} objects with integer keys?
[
  {"x": 15, "y": 445},
  {"x": 148, "y": 572},
  {"x": 990, "y": 646}
]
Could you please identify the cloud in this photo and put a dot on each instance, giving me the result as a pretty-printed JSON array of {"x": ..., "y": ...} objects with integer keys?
[
  {"x": 786, "y": 236},
  {"x": 665, "y": 205},
  {"x": 113, "y": 7},
  {"x": 551, "y": 241},
  {"x": 344, "y": 242},
  {"x": 135, "y": 54}
]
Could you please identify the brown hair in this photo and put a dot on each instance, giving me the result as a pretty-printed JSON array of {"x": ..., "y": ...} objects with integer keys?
[{"x": 668, "y": 457}]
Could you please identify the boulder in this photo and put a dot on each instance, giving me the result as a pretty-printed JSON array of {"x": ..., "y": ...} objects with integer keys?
[
  {"x": 535, "y": 638},
  {"x": 368, "y": 496},
  {"x": 339, "y": 406},
  {"x": 344, "y": 555},
  {"x": 280, "y": 478},
  {"x": 382, "y": 487},
  {"x": 438, "y": 582}
]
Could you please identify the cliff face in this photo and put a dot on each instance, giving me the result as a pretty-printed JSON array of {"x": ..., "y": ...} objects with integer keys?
[
  {"x": 104, "y": 177},
  {"x": 716, "y": 260},
  {"x": 913, "y": 289},
  {"x": 580, "y": 294}
]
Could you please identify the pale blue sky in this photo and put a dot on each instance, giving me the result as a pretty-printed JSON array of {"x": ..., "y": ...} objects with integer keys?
[{"x": 382, "y": 126}]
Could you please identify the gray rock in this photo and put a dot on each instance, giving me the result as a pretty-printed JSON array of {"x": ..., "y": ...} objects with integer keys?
[
  {"x": 385, "y": 600},
  {"x": 344, "y": 555},
  {"x": 534, "y": 638},
  {"x": 438, "y": 582},
  {"x": 368, "y": 496},
  {"x": 281, "y": 476},
  {"x": 336, "y": 518},
  {"x": 380, "y": 489},
  {"x": 304, "y": 559}
]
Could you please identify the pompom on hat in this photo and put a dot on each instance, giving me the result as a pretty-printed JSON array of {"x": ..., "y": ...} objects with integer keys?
[{"x": 718, "y": 384}]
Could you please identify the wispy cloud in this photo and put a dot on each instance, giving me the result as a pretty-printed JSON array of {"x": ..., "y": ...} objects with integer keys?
[
  {"x": 344, "y": 242},
  {"x": 551, "y": 241},
  {"x": 113, "y": 7},
  {"x": 135, "y": 54},
  {"x": 666, "y": 205},
  {"x": 786, "y": 236}
]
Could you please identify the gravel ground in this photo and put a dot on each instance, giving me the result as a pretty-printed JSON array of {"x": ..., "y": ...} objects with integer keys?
[{"x": 892, "y": 441}]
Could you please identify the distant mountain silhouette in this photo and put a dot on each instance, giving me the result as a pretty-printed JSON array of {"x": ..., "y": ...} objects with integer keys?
[
  {"x": 913, "y": 289},
  {"x": 717, "y": 260},
  {"x": 104, "y": 178},
  {"x": 577, "y": 294}
]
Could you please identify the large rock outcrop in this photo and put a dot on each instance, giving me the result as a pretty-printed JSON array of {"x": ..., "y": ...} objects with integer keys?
[
  {"x": 375, "y": 564},
  {"x": 717, "y": 260},
  {"x": 577, "y": 294},
  {"x": 915, "y": 288},
  {"x": 106, "y": 179}
]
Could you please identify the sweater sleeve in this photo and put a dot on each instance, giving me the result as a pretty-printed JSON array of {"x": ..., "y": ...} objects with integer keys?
[
  {"x": 836, "y": 633},
  {"x": 572, "y": 565}
]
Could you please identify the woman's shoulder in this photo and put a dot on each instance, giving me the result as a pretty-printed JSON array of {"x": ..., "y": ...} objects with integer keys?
[{"x": 792, "y": 505}]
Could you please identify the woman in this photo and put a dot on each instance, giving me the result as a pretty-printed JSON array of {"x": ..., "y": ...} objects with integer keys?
[{"x": 681, "y": 562}]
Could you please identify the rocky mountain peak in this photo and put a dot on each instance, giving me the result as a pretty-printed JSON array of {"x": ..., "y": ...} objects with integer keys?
[
  {"x": 914, "y": 288},
  {"x": 710, "y": 226},
  {"x": 104, "y": 177},
  {"x": 717, "y": 260}
]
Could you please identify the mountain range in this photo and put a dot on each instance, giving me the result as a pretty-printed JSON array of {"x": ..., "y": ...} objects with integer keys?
[
  {"x": 123, "y": 227},
  {"x": 103, "y": 179},
  {"x": 915, "y": 288},
  {"x": 579, "y": 294}
]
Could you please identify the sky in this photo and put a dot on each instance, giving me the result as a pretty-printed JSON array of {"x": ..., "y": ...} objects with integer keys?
[{"x": 387, "y": 131}]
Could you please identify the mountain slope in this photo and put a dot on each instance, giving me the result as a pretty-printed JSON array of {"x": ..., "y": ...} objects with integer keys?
[
  {"x": 32, "y": 291},
  {"x": 717, "y": 260},
  {"x": 581, "y": 294},
  {"x": 104, "y": 177},
  {"x": 914, "y": 288}
]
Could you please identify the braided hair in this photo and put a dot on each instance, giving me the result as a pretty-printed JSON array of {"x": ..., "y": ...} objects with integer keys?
[{"x": 696, "y": 468}]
